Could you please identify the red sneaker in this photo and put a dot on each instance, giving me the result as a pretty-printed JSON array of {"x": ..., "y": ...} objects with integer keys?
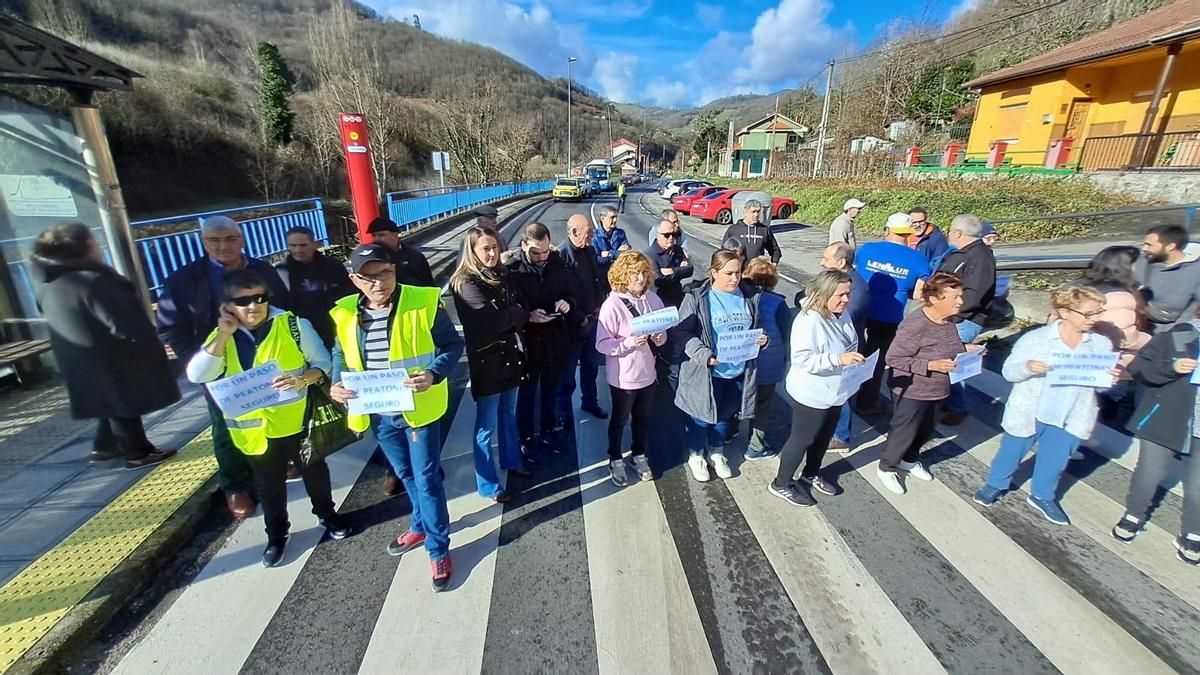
[
  {"x": 405, "y": 543},
  {"x": 442, "y": 570}
]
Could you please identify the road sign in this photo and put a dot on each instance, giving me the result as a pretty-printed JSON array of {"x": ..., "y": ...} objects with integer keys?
[{"x": 441, "y": 164}]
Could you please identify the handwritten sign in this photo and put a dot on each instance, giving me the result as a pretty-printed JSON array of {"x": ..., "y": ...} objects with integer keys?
[
  {"x": 379, "y": 392},
  {"x": 1003, "y": 283},
  {"x": 854, "y": 376},
  {"x": 738, "y": 346},
  {"x": 654, "y": 322},
  {"x": 250, "y": 390},
  {"x": 1081, "y": 369},
  {"x": 967, "y": 365}
]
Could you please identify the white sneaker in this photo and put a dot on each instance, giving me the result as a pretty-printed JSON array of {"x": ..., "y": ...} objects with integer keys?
[
  {"x": 699, "y": 468},
  {"x": 642, "y": 467},
  {"x": 1076, "y": 455},
  {"x": 916, "y": 470},
  {"x": 616, "y": 471},
  {"x": 890, "y": 480},
  {"x": 721, "y": 465}
]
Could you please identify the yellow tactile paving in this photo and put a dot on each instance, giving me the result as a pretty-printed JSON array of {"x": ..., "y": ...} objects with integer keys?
[{"x": 32, "y": 602}]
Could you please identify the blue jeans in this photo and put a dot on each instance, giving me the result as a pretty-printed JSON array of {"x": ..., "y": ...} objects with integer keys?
[
  {"x": 842, "y": 432},
  {"x": 496, "y": 416},
  {"x": 583, "y": 354},
  {"x": 701, "y": 434},
  {"x": 1055, "y": 446},
  {"x": 967, "y": 332},
  {"x": 416, "y": 456}
]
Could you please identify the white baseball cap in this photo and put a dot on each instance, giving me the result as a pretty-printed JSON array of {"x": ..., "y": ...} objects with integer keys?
[
  {"x": 900, "y": 223},
  {"x": 852, "y": 204}
]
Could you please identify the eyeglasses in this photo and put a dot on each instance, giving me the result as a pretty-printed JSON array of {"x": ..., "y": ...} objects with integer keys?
[
  {"x": 670, "y": 235},
  {"x": 1087, "y": 315},
  {"x": 376, "y": 278},
  {"x": 247, "y": 300}
]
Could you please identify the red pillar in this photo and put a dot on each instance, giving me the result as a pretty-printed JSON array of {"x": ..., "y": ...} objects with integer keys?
[
  {"x": 996, "y": 155},
  {"x": 364, "y": 198},
  {"x": 912, "y": 156},
  {"x": 1059, "y": 153},
  {"x": 951, "y": 153}
]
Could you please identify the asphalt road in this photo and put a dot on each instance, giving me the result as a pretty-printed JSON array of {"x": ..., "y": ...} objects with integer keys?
[{"x": 575, "y": 575}]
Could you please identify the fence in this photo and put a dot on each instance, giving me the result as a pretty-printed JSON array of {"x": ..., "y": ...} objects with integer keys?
[
  {"x": 1178, "y": 150},
  {"x": 414, "y": 208}
]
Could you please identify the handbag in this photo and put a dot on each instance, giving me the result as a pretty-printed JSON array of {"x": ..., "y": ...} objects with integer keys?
[{"x": 325, "y": 427}]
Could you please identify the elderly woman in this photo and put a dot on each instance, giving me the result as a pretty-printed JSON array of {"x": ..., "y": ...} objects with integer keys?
[
  {"x": 114, "y": 367},
  {"x": 772, "y": 360},
  {"x": 251, "y": 333},
  {"x": 713, "y": 390},
  {"x": 921, "y": 358},
  {"x": 629, "y": 361},
  {"x": 823, "y": 342},
  {"x": 1056, "y": 418}
]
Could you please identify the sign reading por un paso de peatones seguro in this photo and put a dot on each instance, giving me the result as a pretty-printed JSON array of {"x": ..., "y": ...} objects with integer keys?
[
  {"x": 1081, "y": 369},
  {"x": 379, "y": 392},
  {"x": 250, "y": 390}
]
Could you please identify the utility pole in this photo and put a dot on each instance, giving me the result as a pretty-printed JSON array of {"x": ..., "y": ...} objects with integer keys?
[
  {"x": 610, "y": 136},
  {"x": 707, "y": 154},
  {"x": 570, "y": 60},
  {"x": 824, "y": 122},
  {"x": 771, "y": 142}
]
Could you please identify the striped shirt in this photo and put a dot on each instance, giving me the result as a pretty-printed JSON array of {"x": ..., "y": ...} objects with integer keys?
[{"x": 375, "y": 338}]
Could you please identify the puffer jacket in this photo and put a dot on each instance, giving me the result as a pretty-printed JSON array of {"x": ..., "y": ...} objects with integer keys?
[
  {"x": 695, "y": 343},
  {"x": 776, "y": 323}
]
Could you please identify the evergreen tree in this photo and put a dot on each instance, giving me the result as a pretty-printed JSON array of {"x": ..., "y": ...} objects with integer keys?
[{"x": 277, "y": 86}]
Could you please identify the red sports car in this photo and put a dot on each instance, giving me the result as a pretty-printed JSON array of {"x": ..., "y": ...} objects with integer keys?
[
  {"x": 718, "y": 207},
  {"x": 683, "y": 203}
]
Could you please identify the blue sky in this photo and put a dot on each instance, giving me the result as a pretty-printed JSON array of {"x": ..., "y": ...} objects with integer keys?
[{"x": 672, "y": 53}]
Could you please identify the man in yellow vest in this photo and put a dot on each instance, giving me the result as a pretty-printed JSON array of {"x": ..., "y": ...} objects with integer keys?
[{"x": 391, "y": 326}]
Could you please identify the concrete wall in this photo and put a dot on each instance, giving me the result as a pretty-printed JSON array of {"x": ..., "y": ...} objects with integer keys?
[{"x": 1176, "y": 187}]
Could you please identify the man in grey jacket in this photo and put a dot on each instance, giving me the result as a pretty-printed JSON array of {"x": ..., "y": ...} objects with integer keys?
[{"x": 1170, "y": 271}]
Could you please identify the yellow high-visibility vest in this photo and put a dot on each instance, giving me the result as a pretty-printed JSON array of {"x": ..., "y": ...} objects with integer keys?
[{"x": 410, "y": 346}]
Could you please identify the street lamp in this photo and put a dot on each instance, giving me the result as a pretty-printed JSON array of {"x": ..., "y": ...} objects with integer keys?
[
  {"x": 570, "y": 60},
  {"x": 608, "y": 109}
]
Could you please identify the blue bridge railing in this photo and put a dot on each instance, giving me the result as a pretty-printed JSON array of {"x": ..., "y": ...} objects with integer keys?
[{"x": 414, "y": 208}]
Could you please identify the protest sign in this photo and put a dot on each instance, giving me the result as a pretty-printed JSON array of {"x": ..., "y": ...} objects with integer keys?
[
  {"x": 654, "y": 322},
  {"x": 738, "y": 346},
  {"x": 968, "y": 364},
  {"x": 1081, "y": 369},
  {"x": 378, "y": 392},
  {"x": 250, "y": 390},
  {"x": 854, "y": 376}
]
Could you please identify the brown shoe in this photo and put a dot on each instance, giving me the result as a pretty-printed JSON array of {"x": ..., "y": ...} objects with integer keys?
[
  {"x": 240, "y": 504},
  {"x": 391, "y": 485},
  {"x": 156, "y": 457},
  {"x": 838, "y": 446},
  {"x": 293, "y": 472}
]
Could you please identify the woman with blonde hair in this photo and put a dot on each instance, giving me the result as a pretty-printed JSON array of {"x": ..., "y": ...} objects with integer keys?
[
  {"x": 1056, "y": 418},
  {"x": 823, "y": 342},
  {"x": 629, "y": 361},
  {"x": 491, "y": 317}
]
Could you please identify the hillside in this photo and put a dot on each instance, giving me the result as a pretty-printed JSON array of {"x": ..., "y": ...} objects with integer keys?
[{"x": 743, "y": 109}]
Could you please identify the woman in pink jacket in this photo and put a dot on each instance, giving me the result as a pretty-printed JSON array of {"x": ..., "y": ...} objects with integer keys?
[{"x": 629, "y": 361}]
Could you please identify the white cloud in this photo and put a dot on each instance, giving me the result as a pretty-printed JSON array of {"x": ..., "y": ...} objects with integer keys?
[
  {"x": 711, "y": 16},
  {"x": 666, "y": 94},
  {"x": 616, "y": 76},
  {"x": 962, "y": 7},
  {"x": 788, "y": 42}
]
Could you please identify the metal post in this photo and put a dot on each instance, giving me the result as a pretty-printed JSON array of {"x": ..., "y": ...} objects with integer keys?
[
  {"x": 570, "y": 60},
  {"x": 824, "y": 122},
  {"x": 771, "y": 142},
  {"x": 1164, "y": 75},
  {"x": 114, "y": 218},
  {"x": 707, "y": 154}
]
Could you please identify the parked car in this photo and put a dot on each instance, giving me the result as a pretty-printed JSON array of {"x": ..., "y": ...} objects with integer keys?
[
  {"x": 567, "y": 189},
  {"x": 718, "y": 207},
  {"x": 675, "y": 187},
  {"x": 683, "y": 202}
]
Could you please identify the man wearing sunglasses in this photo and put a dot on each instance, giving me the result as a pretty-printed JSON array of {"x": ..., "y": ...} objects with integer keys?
[
  {"x": 670, "y": 262},
  {"x": 391, "y": 326}
]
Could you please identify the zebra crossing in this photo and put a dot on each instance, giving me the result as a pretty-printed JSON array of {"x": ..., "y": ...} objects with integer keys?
[{"x": 676, "y": 576}]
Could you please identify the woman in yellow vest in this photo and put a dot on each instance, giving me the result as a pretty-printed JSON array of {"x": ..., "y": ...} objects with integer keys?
[{"x": 251, "y": 333}]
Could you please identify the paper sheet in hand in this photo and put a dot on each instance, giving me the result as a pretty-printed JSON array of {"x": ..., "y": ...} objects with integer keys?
[
  {"x": 654, "y": 322},
  {"x": 250, "y": 390},
  {"x": 1195, "y": 379},
  {"x": 738, "y": 346},
  {"x": 970, "y": 364},
  {"x": 854, "y": 376},
  {"x": 1081, "y": 369},
  {"x": 378, "y": 392}
]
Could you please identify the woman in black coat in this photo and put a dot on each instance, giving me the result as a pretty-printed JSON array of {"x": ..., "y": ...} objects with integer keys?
[
  {"x": 490, "y": 319},
  {"x": 114, "y": 366}
]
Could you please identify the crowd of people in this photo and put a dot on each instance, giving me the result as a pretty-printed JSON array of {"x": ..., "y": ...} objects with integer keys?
[{"x": 538, "y": 322}]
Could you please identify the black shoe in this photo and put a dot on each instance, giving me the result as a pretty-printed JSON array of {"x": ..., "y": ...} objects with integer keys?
[
  {"x": 520, "y": 471},
  {"x": 595, "y": 411},
  {"x": 337, "y": 527},
  {"x": 502, "y": 497},
  {"x": 953, "y": 418},
  {"x": 156, "y": 457},
  {"x": 274, "y": 552},
  {"x": 104, "y": 455},
  {"x": 792, "y": 493}
]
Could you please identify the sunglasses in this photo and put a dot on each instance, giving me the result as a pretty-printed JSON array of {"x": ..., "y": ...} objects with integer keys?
[
  {"x": 669, "y": 235},
  {"x": 247, "y": 300}
]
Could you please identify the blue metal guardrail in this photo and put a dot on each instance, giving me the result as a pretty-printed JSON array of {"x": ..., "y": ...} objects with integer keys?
[{"x": 416, "y": 207}]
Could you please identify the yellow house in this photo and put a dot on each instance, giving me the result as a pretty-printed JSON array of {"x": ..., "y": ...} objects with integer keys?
[{"x": 1127, "y": 97}]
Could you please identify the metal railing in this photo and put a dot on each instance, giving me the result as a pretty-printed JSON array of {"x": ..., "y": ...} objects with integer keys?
[
  {"x": 414, "y": 208},
  {"x": 1176, "y": 150}
]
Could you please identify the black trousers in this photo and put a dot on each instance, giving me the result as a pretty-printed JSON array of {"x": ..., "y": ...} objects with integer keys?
[
  {"x": 270, "y": 476},
  {"x": 122, "y": 433},
  {"x": 540, "y": 387},
  {"x": 626, "y": 403},
  {"x": 812, "y": 429},
  {"x": 913, "y": 424},
  {"x": 879, "y": 338}
]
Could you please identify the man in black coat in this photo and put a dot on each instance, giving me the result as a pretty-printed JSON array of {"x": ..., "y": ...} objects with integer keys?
[
  {"x": 412, "y": 269},
  {"x": 541, "y": 282},
  {"x": 580, "y": 258},
  {"x": 973, "y": 261},
  {"x": 314, "y": 281},
  {"x": 188, "y": 307},
  {"x": 670, "y": 263},
  {"x": 114, "y": 367}
]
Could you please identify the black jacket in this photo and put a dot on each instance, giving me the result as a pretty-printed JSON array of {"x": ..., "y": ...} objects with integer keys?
[
  {"x": 546, "y": 344},
  {"x": 103, "y": 341},
  {"x": 976, "y": 265},
  {"x": 187, "y": 308},
  {"x": 757, "y": 239},
  {"x": 1168, "y": 399},
  {"x": 669, "y": 287},
  {"x": 313, "y": 288},
  {"x": 589, "y": 288},
  {"x": 491, "y": 318},
  {"x": 412, "y": 269}
]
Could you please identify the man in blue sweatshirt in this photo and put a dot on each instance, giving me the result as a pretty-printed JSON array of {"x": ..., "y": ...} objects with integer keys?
[{"x": 608, "y": 241}]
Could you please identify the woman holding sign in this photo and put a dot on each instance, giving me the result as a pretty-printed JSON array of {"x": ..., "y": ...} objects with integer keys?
[
  {"x": 249, "y": 334},
  {"x": 720, "y": 334},
  {"x": 629, "y": 362},
  {"x": 1043, "y": 410}
]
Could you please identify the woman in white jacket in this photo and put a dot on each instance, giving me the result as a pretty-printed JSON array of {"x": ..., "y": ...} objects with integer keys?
[{"x": 823, "y": 342}]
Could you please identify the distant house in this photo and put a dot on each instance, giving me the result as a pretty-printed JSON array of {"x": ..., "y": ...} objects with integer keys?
[
  {"x": 865, "y": 144},
  {"x": 624, "y": 154},
  {"x": 755, "y": 142},
  {"x": 1101, "y": 92}
]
